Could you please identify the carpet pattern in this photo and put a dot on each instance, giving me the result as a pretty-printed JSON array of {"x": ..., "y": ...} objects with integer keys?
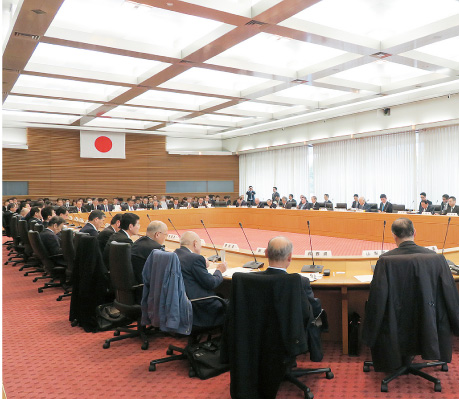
[
  {"x": 45, "y": 358},
  {"x": 260, "y": 238}
]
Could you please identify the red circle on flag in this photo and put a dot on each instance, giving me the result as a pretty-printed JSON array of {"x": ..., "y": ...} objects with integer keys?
[{"x": 103, "y": 144}]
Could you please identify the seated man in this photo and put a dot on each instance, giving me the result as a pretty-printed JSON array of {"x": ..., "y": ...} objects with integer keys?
[
  {"x": 34, "y": 216},
  {"x": 327, "y": 199},
  {"x": 279, "y": 253},
  {"x": 240, "y": 202},
  {"x": 46, "y": 214},
  {"x": 403, "y": 232},
  {"x": 130, "y": 206},
  {"x": 291, "y": 200},
  {"x": 257, "y": 203},
  {"x": 96, "y": 220},
  {"x": 49, "y": 238},
  {"x": 385, "y": 206},
  {"x": 283, "y": 202},
  {"x": 303, "y": 203},
  {"x": 364, "y": 205},
  {"x": 144, "y": 204},
  {"x": 270, "y": 204},
  {"x": 426, "y": 207},
  {"x": 423, "y": 196},
  {"x": 314, "y": 204},
  {"x": 105, "y": 206},
  {"x": 176, "y": 204},
  {"x": 200, "y": 202},
  {"x": 62, "y": 212},
  {"x": 199, "y": 283},
  {"x": 154, "y": 239},
  {"x": 452, "y": 207},
  {"x": 355, "y": 203},
  {"x": 80, "y": 207},
  {"x": 444, "y": 202},
  {"x": 106, "y": 233},
  {"x": 129, "y": 226}
]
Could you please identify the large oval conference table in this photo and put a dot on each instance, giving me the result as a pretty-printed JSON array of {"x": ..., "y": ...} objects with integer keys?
[{"x": 341, "y": 293}]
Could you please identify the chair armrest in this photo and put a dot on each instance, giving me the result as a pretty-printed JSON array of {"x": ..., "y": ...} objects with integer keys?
[
  {"x": 222, "y": 301},
  {"x": 56, "y": 256},
  {"x": 137, "y": 286}
]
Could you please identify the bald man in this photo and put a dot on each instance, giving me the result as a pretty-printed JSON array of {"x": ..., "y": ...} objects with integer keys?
[
  {"x": 154, "y": 239},
  {"x": 199, "y": 283},
  {"x": 279, "y": 253}
]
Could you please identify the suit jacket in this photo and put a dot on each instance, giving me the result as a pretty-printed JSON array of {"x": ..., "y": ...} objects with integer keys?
[
  {"x": 89, "y": 228},
  {"x": 250, "y": 195},
  {"x": 101, "y": 207},
  {"x": 451, "y": 210},
  {"x": 314, "y": 206},
  {"x": 387, "y": 207},
  {"x": 144, "y": 206},
  {"x": 275, "y": 196},
  {"x": 36, "y": 220},
  {"x": 103, "y": 237},
  {"x": 430, "y": 208},
  {"x": 413, "y": 309},
  {"x": 443, "y": 206},
  {"x": 140, "y": 251},
  {"x": 366, "y": 206},
  {"x": 304, "y": 206},
  {"x": 243, "y": 203},
  {"x": 89, "y": 208},
  {"x": 125, "y": 207},
  {"x": 51, "y": 242},
  {"x": 420, "y": 206},
  {"x": 200, "y": 283},
  {"x": 355, "y": 204},
  {"x": 119, "y": 236},
  {"x": 408, "y": 247}
]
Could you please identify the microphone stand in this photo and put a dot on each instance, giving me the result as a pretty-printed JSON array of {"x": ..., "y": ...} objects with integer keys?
[
  {"x": 216, "y": 257},
  {"x": 252, "y": 264},
  {"x": 311, "y": 268}
]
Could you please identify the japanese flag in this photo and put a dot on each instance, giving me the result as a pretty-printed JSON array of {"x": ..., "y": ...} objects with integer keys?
[{"x": 102, "y": 145}]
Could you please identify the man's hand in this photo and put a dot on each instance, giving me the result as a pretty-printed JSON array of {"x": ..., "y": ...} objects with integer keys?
[{"x": 222, "y": 267}]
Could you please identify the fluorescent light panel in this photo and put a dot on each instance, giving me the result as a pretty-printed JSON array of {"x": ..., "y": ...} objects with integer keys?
[
  {"x": 144, "y": 113},
  {"x": 46, "y": 104},
  {"x": 447, "y": 49},
  {"x": 19, "y": 116},
  {"x": 120, "y": 123}
]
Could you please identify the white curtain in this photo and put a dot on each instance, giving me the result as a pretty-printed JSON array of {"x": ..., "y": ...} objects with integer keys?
[
  {"x": 438, "y": 162},
  {"x": 368, "y": 167},
  {"x": 287, "y": 169}
]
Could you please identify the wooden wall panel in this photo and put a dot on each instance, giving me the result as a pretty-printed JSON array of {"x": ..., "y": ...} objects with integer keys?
[{"x": 53, "y": 167}]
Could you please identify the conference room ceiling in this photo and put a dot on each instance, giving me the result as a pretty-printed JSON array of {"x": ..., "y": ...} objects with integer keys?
[{"x": 219, "y": 68}]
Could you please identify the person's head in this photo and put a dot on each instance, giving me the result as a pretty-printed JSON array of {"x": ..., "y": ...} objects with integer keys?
[
  {"x": 115, "y": 201},
  {"x": 60, "y": 202},
  {"x": 452, "y": 201},
  {"x": 303, "y": 199},
  {"x": 200, "y": 200},
  {"x": 105, "y": 201},
  {"x": 56, "y": 223},
  {"x": 361, "y": 200},
  {"x": 133, "y": 197},
  {"x": 155, "y": 198},
  {"x": 217, "y": 198},
  {"x": 47, "y": 213},
  {"x": 89, "y": 201},
  {"x": 145, "y": 200},
  {"x": 62, "y": 212},
  {"x": 35, "y": 212},
  {"x": 356, "y": 197},
  {"x": 12, "y": 207},
  {"x": 96, "y": 218},
  {"x": 130, "y": 223},
  {"x": 250, "y": 188},
  {"x": 192, "y": 241},
  {"x": 27, "y": 206},
  {"x": 269, "y": 202},
  {"x": 79, "y": 203},
  {"x": 176, "y": 200},
  {"x": 155, "y": 203},
  {"x": 424, "y": 204},
  {"x": 326, "y": 196},
  {"x": 423, "y": 196},
  {"x": 131, "y": 202},
  {"x": 239, "y": 200},
  {"x": 24, "y": 211},
  {"x": 274, "y": 189},
  {"x": 313, "y": 199},
  {"x": 6, "y": 203},
  {"x": 290, "y": 197},
  {"x": 257, "y": 201},
  {"x": 95, "y": 201},
  {"x": 279, "y": 252},
  {"x": 15, "y": 200},
  {"x": 403, "y": 230},
  {"x": 383, "y": 198},
  {"x": 163, "y": 198},
  {"x": 207, "y": 198},
  {"x": 445, "y": 198},
  {"x": 157, "y": 231},
  {"x": 115, "y": 222},
  {"x": 284, "y": 200},
  {"x": 189, "y": 199}
]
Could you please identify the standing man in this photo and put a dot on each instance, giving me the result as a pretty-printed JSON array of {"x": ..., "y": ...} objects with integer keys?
[
  {"x": 385, "y": 206},
  {"x": 95, "y": 222},
  {"x": 452, "y": 207},
  {"x": 199, "y": 283},
  {"x": 275, "y": 195},
  {"x": 423, "y": 198},
  {"x": 250, "y": 196}
]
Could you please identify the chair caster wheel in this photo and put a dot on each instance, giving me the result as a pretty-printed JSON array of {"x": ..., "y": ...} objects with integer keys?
[
  {"x": 59, "y": 298},
  {"x": 308, "y": 395},
  {"x": 444, "y": 367},
  {"x": 34, "y": 280},
  {"x": 106, "y": 345},
  {"x": 169, "y": 352},
  {"x": 5, "y": 263},
  {"x": 152, "y": 367},
  {"x": 384, "y": 388},
  {"x": 329, "y": 375},
  {"x": 191, "y": 373},
  {"x": 437, "y": 387},
  {"x": 366, "y": 368},
  {"x": 40, "y": 290},
  {"x": 116, "y": 333},
  {"x": 144, "y": 346},
  {"x": 74, "y": 323}
]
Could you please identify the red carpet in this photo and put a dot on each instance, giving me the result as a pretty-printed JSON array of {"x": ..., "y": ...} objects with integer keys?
[
  {"x": 260, "y": 238},
  {"x": 44, "y": 357}
]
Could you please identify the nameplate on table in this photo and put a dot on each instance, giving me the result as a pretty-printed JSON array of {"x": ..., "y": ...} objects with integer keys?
[
  {"x": 452, "y": 214},
  {"x": 230, "y": 245},
  {"x": 373, "y": 252},
  {"x": 321, "y": 254},
  {"x": 260, "y": 251},
  {"x": 402, "y": 212},
  {"x": 173, "y": 237}
]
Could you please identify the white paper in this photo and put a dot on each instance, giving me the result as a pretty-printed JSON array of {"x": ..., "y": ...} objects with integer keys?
[
  {"x": 230, "y": 272},
  {"x": 365, "y": 278}
]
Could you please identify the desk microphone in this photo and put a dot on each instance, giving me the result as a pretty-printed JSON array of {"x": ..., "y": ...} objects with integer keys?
[
  {"x": 213, "y": 258},
  {"x": 311, "y": 268},
  {"x": 252, "y": 264},
  {"x": 451, "y": 264},
  {"x": 170, "y": 221},
  {"x": 382, "y": 244}
]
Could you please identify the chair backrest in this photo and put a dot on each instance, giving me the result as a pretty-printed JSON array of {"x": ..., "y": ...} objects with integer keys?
[
  {"x": 22, "y": 227},
  {"x": 40, "y": 250},
  {"x": 15, "y": 230},
  {"x": 265, "y": 330},
  {"x": 32, "y": 224},
  {"x": 122, "y": 273},
  {"x": 38, "y": 227},
  {"x": 341, "y": 205},
  {"x": 6, "y": 222},
  {"x": 76, "y": 239},
  {"x": 68, "y": 250}
]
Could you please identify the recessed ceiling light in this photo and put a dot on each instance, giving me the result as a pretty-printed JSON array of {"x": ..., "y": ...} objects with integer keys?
[{"x": 169, "y": 4}]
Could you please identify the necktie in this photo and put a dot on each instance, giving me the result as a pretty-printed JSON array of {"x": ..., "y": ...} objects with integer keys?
[
  {"x": 106, "y": 208},
  {"x": 382, "y": 209}
]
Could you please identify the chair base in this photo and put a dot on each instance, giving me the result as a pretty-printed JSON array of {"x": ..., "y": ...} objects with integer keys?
[
  {"x": 292, "y": 376},
  {"x": 411, "y": 368},
  {"x": 131, "y": 331}
]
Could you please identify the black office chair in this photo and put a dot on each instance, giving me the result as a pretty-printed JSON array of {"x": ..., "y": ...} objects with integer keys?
[
  {"x": 396, "y": 208},
  {"x": 52, "y": 270},
  {"x": 123, "y": 282},
  {"x": 76, "y": 239},
  {"x": 32, "y": 225},
  {"x": 38, "y": 227},
  {"x": 68, "y": 252},
  {"x": 373, "y": 207},
  {"x": 264, "y": 332},
  {"x": 31, "y": 261},
  {"x": 341, "y": 205},
  {"x": 6, "y": 220},
  {"x": 17, "y": 248},
  {"x": 411, "y": 310}
]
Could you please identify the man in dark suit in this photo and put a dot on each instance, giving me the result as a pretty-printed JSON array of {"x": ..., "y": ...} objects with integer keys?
[
  {"x": 176, "y": 204},
  {"x": 444, "y": 202},
  {"x": 129, "y": 226},
  {"x": 34, "y": 216},
  {"x": 403, "y": 232},
  {"x": 46, "y": 214},
  {"x": 240, "y": 202},
  {"x": 364, "y": 205},
  {"x": 144, "y": 204},
  {"x": 96, "y": 220},
  {"x": 452, "y": 207},
  {"x": 50, "y": 240},
  {"x": 80, "y": 207},
  {"x": 270, "y": 204},
  {"x": 258, "y": 203},
  {"x": 250, "y": 196},
  {"x": 141, "y": 249},
  {"x": 303, "y": 205},
  {"x": 283, "y": 202},
  {"x": 279, "y": 253},
  {"x": 426, "y": 207},
  {"x": 106, "y": 233},
  {"x": 327, "y": 200},
  {"x": 423, "y": 198},
  {"x": 199, "y": 283},
  {"x": 275, "y": 195},
  {"x": 130, "y": 206},
  {"x": 385, "y": 206},
  {"x": 89, "y": 205},
  {"x": 314, "y": 204},
  {"x": 105, "y": 206},
  {"x": 355, "y": 203}
]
